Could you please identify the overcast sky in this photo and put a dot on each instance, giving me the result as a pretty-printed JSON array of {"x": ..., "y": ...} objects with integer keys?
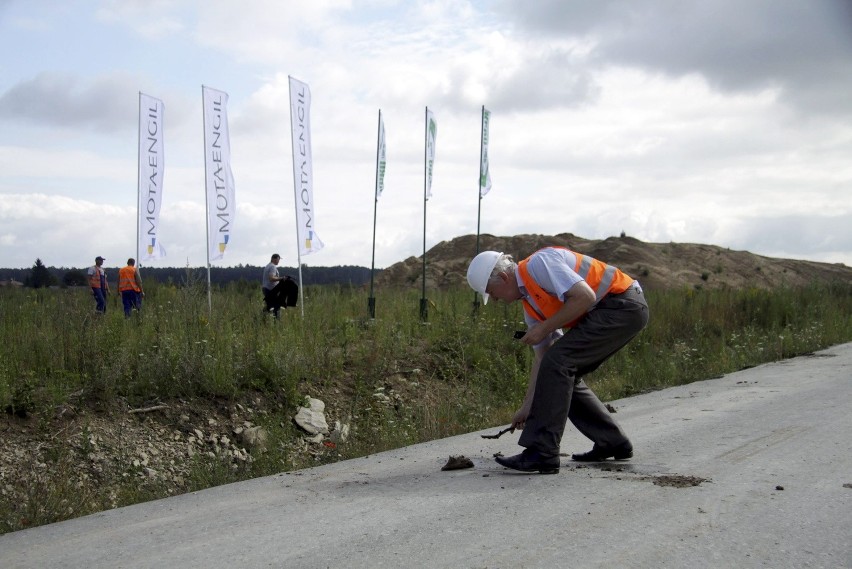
[{"x": 721, "y": 122}]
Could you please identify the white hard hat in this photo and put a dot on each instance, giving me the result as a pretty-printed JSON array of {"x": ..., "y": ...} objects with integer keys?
[{"x": 480, "y": 270}]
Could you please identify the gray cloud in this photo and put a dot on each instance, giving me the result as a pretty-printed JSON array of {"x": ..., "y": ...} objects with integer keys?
[
  {"x": 548, "y": 78},
  {"x": 802, "y": 47},
  {"x": 799, "y": 235},
  {"x": 106, "y": 104},
  {"x": 549, "y": 81}
]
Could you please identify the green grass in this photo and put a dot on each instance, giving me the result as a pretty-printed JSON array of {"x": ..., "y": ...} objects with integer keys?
[{"x": 465, "y": 371}]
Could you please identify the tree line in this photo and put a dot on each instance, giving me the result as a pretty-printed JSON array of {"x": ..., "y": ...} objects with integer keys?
[{"x": 41, "y": 276}]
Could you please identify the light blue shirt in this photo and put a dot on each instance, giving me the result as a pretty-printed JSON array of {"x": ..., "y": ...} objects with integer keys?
[{"x": 271, "y": 270}]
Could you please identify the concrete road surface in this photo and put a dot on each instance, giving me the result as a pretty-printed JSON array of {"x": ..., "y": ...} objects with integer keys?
[{"x": 753, "y": 469}]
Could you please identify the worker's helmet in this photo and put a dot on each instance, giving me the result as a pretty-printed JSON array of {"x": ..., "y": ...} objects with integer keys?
[{"x": 480, "y": 270}]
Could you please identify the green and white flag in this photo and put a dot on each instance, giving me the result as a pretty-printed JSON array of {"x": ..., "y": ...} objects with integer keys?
[
  {"x": 431, "y": 136},
  {"x": 484, "y": 173},
  {"x": 381, "y": 159}
]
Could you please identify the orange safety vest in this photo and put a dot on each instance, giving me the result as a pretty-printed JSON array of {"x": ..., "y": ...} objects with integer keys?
[
  {"x": 602, "y": 278},
  {"x": 95, "y": 279},
  {"x": 127, "y": 279}
]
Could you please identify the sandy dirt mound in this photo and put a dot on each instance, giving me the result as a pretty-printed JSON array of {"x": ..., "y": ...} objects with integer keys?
[{"x": 655, "y": 265}]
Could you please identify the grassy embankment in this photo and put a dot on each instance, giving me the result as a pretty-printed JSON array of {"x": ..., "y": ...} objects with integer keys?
[{"x": 56, "y": 349}]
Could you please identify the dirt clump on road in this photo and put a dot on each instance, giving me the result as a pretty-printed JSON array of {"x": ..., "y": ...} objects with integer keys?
[{"x": 457, "y": 463}]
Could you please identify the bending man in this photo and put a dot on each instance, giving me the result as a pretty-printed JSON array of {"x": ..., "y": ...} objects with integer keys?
[{"x": 601, "y": 309}]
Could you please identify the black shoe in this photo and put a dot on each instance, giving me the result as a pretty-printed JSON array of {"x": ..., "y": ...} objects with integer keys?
[
  {"x": 597, "y": 454},
  {"x": 531, "y": 461}
]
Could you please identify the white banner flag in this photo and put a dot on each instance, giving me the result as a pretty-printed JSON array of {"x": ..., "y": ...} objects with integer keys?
[
  {"x": 382, "y": 158},
  {"x": 484, "y": 173},
  {"x": 151, "y": 163},
  {"x": 431, "y": 136},
  {"x": 221, "y": 205},
  {"x": 303, "y": 173}
]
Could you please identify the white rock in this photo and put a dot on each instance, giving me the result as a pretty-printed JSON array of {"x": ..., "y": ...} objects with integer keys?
[{"x": 312, "y": 418}]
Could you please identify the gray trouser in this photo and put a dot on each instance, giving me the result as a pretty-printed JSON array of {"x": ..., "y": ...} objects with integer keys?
[{"x": 560, "y": 391}]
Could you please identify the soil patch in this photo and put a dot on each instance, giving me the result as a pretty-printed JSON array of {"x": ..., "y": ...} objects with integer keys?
[{"x": 677, "y": 480}]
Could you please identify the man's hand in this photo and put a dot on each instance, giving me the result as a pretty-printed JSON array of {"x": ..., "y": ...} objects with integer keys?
[
  {"x": 535, "y": 335},
  {"x": 520, "y": 417}
]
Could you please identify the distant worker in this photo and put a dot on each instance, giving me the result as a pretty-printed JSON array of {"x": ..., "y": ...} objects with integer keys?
[
  {"x": 601, "y": 310},
  {"x": 99, "y": 284},
  {"x": 130, "y": 287},
  {"x": 278, "y": 292}
]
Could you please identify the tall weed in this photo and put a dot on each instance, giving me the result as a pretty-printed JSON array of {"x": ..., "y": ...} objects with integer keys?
[{"x": 56, "y": 344}]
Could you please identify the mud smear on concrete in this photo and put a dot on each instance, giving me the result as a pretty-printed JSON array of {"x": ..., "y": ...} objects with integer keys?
[
  {"x": 677, "y": 480},
  {"x": 655, "y": 474}
]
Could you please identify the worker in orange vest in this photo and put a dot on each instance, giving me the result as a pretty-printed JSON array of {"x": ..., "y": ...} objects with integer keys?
[
  {"x": 130, "y": 287},
  {"x": 579, "y": 311},
  {"x": 99, "y": 284}
]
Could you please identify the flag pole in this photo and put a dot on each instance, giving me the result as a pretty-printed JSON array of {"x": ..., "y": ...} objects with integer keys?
[
  {"x": 206, "y": 203},
  {"x": 479, "y": 199},
  {"x": 424, "y": 309},
  {"x": 138, "y": 181},
  {"x": 139, "y": 191},
  {"x": 371, "y": 301}
]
